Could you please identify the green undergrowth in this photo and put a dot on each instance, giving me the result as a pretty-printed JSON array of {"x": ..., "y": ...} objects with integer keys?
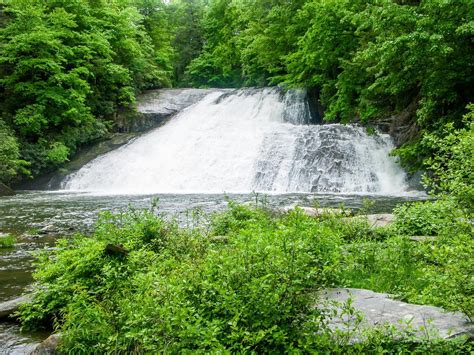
[
  {"x": 7, "y": 241},
  {"x": 242, "y": 280}
]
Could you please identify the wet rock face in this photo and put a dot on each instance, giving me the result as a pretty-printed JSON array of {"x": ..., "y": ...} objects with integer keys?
[
  {"x": 328, "y": 158},
  {"x": 169, "y": 101},
  {"x": 154, "y": 107},
  {"x": 402, "y": 127},
  {"x": 7, "y": 309},
  {"x": 378, "y": 309}
]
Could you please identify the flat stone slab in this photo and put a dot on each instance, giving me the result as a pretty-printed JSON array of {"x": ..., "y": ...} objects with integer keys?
[
  {"x": 169, "y": 101},
  {"x": 9, "y": 307},
  {"x": 380, "y": 219},
  {"x": 378, "y": 309}
]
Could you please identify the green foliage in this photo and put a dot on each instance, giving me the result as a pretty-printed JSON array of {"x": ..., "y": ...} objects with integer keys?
[
  {"x": 365, "y": 60},
  {"x": 327, "y": 43},
  {"x": 435, "y": 269},
  {"x": 187, "y": 19},
  {"x": 426, "y": 218},
  {"x": 181, "y": 289},
  {"x": 218, "y": 65},
  {"x": 432, "y": 271},
  {"x": 244, "y": 43},
  {"x": 7, "y": 241},
  {"x": 246, "y": 281},
  {"x": 10, "y": 163},
  {"x": 58, "y": 153},
  {"x": 451, "y": 164},
  {"x": 67, "y": 66},
  {"x": 270, "y": 34}
]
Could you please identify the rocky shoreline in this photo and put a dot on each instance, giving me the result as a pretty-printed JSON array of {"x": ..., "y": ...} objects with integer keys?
[{"x": 368, "y": 310}]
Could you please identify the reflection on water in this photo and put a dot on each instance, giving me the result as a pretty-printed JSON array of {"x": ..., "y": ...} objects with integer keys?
[
  {"x": 12, "y": 342},
  {"x": 25, "y": 214}
]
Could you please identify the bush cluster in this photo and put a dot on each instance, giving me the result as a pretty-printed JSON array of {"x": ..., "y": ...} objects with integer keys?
[{"x": 246, "y": 281}]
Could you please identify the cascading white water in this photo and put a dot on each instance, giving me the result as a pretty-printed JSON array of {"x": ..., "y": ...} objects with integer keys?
[{"x": 247, "y": 140}]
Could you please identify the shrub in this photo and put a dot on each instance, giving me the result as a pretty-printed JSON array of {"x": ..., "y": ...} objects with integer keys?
[
  {"x": 451, "y": 167},
  {"x": 426, "y": 218},
  {"x": 247, "y": 282},
  {"x": 10, "y": 162},
  {"x": 7, "y": 241},
  {"x": 180, "y": 289},
  {"x": 435, "y": 271}
]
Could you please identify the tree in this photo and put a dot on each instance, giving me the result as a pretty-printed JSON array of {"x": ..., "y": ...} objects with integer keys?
[
  {"x": 186, "y": 17},
  {"x": 66, "y": 67}
]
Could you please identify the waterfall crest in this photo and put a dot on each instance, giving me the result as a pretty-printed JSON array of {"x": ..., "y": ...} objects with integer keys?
[{"x": 247, "y": 140}]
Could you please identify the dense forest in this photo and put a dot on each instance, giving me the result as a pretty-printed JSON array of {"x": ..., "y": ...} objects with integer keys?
[{"x": 67, "y": 68}]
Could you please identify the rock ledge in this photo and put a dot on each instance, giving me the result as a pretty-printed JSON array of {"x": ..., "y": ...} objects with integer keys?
[{"x": 378, "y": 309}]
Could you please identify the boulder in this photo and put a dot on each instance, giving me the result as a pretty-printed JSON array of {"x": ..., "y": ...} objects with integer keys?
[
  {"x": 378, "y": 309},
  {"x": 7, "y": 309},
  {"x": 48, "y": 346}
]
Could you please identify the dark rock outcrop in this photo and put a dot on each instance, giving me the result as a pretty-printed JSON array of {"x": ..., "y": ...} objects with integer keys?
[
  {"x": 401, "y": 127},
  {"x": 415, "y": 181},
  {"x": 5, "y": 190},
  {"x": 315, "y": 106}
]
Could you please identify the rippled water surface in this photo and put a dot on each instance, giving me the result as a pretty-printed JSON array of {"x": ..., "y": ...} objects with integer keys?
[{"x": 61, "y": 214}]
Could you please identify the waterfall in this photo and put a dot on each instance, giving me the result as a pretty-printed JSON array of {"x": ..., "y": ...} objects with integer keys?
[{"x": 247, "y": 140}]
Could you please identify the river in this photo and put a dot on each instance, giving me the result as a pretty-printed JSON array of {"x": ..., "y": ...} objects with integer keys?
[
  {"x": 218, "y": 140},
  {"x": 37, "y": 219}
]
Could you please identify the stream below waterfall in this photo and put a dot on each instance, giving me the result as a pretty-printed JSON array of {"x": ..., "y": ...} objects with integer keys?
[
  {"x": 228, "y": 141},
  {"x": 39, "y": 218}
]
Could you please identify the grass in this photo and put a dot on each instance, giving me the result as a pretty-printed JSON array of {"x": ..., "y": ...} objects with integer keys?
[
  {"x": 245, "y": 280},
  {"x": 7, "y": 241}
]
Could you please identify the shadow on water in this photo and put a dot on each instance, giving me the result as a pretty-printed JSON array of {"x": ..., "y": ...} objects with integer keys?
[{"x": 37, "y": 219}]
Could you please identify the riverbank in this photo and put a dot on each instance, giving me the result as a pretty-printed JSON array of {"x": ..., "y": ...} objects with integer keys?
[
  {"x": 247, "y": 279},
  {"x": 37, "y": 219}
]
